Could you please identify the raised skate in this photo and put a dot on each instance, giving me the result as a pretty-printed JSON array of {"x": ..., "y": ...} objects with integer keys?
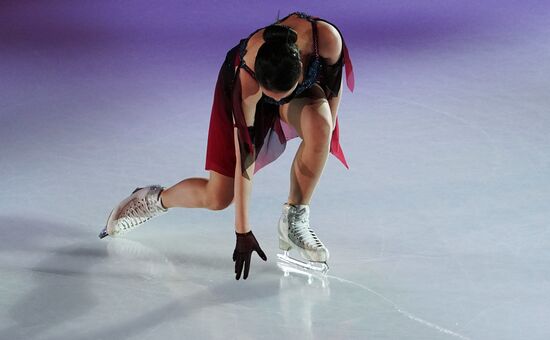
[
  {"x": 142, "y": 205},
  {"x": 294, "y": 232}
]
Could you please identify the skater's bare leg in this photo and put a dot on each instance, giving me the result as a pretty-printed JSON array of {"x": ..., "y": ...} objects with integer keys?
[
  {"x": 215, "y": 193},
  {"x": 306, "y": 170},
  {"x": 313, "y": 121}
]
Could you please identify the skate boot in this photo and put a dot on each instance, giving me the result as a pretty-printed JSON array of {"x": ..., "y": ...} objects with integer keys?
[
  {"x": 294, "y": 232},
  {"x": 142, "y": 205}
]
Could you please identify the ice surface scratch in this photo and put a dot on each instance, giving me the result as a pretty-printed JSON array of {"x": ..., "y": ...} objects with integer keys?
[{"x": 402, "y": 311}]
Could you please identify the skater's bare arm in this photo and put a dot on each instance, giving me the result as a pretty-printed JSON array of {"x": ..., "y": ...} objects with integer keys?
[
  {"x": 243, "y": 188},
  {"x": 330, "y": 48},
  {"x": 251, "y": 95}
]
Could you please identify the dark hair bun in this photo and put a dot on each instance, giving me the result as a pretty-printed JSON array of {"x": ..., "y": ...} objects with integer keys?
[{"x": 280, "y": 33}]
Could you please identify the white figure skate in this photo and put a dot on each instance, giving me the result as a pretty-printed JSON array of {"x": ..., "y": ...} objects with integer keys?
[
  {"x": 294, "y": 232},
  {"x": 142, "y": 205}
]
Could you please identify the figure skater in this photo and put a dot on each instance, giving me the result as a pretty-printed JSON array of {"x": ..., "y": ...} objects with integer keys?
[{"x": 290, "y": 87}]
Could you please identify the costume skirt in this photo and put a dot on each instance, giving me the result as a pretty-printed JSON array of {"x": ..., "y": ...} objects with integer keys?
[{"x": 270, "y": 132}]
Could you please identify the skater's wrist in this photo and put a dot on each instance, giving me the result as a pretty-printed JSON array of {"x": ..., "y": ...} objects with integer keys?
[
  {"x": 242, "y": 229},
  {"x": 248, "y": 233}
]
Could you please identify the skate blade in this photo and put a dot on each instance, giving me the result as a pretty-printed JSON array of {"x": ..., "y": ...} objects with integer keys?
[
  {"x": 103, "y": 233},
  {"x": 314, "y": 278},
  {"x": 321, "y": 268}
]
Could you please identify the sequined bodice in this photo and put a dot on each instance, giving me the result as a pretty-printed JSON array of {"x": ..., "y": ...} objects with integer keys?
[{"x": 313, "y": 69}]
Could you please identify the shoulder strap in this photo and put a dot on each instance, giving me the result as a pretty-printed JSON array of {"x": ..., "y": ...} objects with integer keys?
[
  {"x": 313, "y": 21},
  {"x": 315, "y": 38},
  {"x": 242, "y": 52},
  {"x": 248, "y": 69}
]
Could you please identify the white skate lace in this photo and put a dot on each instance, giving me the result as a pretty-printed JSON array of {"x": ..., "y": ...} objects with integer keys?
[
  {"x": 299, "y": 226},
  {"x": 139, "y": 212}
]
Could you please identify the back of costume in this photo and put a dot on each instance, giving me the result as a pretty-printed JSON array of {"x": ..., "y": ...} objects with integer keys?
[{"x": 269, "y": 131}]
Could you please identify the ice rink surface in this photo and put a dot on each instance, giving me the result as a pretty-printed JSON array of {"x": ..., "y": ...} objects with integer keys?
[{"x": 439, "y": 230}]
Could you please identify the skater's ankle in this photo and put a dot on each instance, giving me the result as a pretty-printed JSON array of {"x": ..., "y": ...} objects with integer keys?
[
  {"x": 296, "y": 203},
  {"x": 160, "y": 200}
]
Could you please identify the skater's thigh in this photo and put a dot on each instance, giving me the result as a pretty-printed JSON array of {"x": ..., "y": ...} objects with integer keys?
[
  {"x": 220, "y": 188},
  {"x": 309, "y": 115}
]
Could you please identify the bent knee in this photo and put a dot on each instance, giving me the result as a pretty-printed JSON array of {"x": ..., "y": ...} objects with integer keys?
[
  {"x": 316, "y": 125},
  {"x": 219, "y": 191},
  {"x": 219, "y": 202}
]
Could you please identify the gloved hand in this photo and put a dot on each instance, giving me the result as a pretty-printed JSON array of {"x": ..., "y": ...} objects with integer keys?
[{"x": 246, "y": 243}]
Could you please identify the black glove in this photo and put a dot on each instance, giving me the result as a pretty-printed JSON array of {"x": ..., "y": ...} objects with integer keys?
[{"x": 246, "y": 243}]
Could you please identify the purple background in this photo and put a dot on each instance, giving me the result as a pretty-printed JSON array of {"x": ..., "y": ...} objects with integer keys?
[{"x": 438, "y": 230}]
